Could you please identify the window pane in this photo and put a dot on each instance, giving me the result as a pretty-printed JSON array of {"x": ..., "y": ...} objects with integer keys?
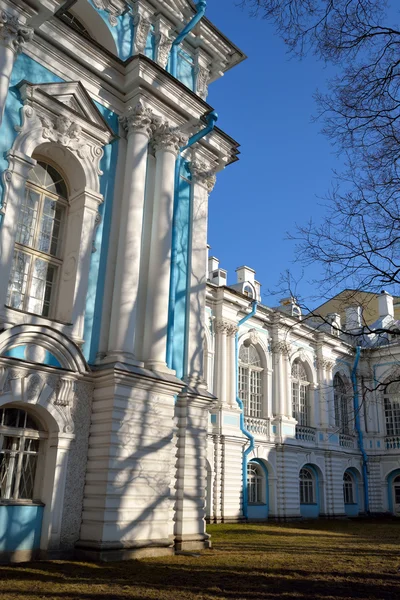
[
  {"x": 49, "y": 227},
  {"x": 43, "y": 278},
  {"x": 28, "y": 218},
  {"x": 18, "y": 280},
  {"x": 27, "y": 479}
]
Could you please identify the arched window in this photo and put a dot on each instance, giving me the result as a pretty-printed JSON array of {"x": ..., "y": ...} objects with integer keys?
[
  {"x": 348, "y": 488},
  {"x": 300, "y": 400},
  {"x": 19, "y": 447},
  {"x": 307, "y": 486},
  {"x": 250, "y": 380},
  {"x": 37, "y": 263},
  {"x": 342, "y": 404},
  {"x": 391, "y": 400},
  {"x": 75, "y": 22},
  {"x": 255, "y": 484}
]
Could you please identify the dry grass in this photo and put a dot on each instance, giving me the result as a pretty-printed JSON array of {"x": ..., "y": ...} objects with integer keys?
[{"x": 327, "y": 560}]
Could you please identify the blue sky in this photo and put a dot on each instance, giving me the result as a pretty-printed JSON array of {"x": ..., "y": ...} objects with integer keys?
[{"x": 266, "y": 104}]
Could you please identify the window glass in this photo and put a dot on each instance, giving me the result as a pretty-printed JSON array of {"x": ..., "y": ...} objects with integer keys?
[
  {"x": 342, "y": 402},
  {"x": 307, "y": 487},
  {"x": 19, "y": 448},
  {"x": 250, "y": 381},
  {"x": 391, "y": 403},
  {"x": 37, "y": 262},
  {"x": 348, "y": 488},
  {"x": 300, "y": 401},
  {"x": 255, "y": 484}
]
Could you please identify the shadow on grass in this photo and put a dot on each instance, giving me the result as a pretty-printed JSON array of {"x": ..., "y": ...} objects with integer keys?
[{"x": 150, "y": 580}]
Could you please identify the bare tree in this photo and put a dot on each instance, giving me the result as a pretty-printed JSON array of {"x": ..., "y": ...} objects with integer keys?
[{"x": 358, "y": 241}]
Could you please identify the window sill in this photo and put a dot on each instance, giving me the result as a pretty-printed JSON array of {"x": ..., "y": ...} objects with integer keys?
[
  {"x": 36, "y": 316},
  {"x": 308, "y": 504},
  {"x": 257, "y": 504}
]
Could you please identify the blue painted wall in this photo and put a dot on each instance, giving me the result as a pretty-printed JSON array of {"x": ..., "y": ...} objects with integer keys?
[
  {"x": 97, "y": 272},
  {"x": 19, "y": 352},
  {"x": 180, "y": 246},
  {"x": 24, "y": 68},
  {"x": 20, "y": 527},
  {"x": 311, "y": 511},
  {"x": 185, "y": 69}
]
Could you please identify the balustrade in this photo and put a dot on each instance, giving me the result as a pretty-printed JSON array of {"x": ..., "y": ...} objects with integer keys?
[
  {"x": 306, "y": 434},
  {"x": 257, "y": 426}
]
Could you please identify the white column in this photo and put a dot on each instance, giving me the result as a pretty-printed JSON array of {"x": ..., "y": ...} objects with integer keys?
[
  {"x": 13, "y": 35},
  {"x": 167, "y": 143},
  {"x": 196, "y": 294},
  {"x": 137, "y": 122},
  {"x": 220, "y": 363},
  {"x": 15, "y": 178}
]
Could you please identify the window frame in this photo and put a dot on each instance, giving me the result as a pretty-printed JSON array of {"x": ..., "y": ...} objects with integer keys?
[
  {"x": 255, "y": 481},
  {"x": 391, "y": 409},
  {"x": 251, "y": 377},
  {"x": 19, "y": 436},
  {"x": 307, "y": 485},
  {"x": 300, "y": 391},
  {"x": 53, "y": 260},
  {"x": 349, "y": 491},
  {"x": 342, "y": 407}
]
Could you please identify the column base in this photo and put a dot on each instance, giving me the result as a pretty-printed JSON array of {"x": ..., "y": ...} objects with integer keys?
[
  {"x": 121, "y": 357},
  {"x": 113, "y": 552},
  {"x": 190, "y": 543},
  {"x": 160, "y": 367}
]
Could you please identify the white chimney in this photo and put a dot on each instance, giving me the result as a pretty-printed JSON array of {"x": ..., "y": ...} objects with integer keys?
[
  {"x": 213, "y": 264},
  {"x": 219, "y": 277},
  {"x": 385, "y": 304},
  {"x": 353, "y": 318},
  {"x": 245, "y": 274},
  {"x": 257, "y": 285},
  {"x": 335, "y": 322}
]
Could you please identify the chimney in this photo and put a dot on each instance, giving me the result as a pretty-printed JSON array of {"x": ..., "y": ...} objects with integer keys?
[
  {"x": 245, "y": 274},
  {"x": 353, "y": 318},
  {"x": 290, "y": 306},
  {"x": 385, "y": 304},
  {"x": 219, "y": 277},
  {"x": 335, "y": 322},
  {"x": 213, "y": 264}
]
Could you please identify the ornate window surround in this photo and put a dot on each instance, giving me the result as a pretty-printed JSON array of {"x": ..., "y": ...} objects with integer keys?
[{"x": 61, "y": 124}]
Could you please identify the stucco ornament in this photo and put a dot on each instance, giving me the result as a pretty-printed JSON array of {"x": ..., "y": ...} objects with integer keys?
[
  {"x": 167, "y": 138},
  {"x": 281, "y": 347},
  {"x": 13, "y": 34},
  {"x": 139, "y": 119},
  {"x": 204, "y": 174},
  {"x": 202, "y": 78},
  {"x": 141, "y": 31},
  {"x": 163, "y": 48},
  {"x": 113, "y": 11}
]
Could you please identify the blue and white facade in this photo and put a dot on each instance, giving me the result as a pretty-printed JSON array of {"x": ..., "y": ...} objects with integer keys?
[
  {"x": 108, "y": 153},
  {"x": 307, "y": 423}
]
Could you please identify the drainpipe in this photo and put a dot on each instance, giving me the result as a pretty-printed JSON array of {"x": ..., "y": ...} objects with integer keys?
[
  {"x": 211, "y": 119},
  {"x": 201, "y": 9},
  {"x": 243, "y": 429},
  {"x": 358, "y": 428}
]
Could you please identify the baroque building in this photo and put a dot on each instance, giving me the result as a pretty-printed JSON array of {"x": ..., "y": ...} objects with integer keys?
[
  {"x": 136, "y": 398},
  {"x": 109, "y": 151},
  {"x": 307, "y": 421}
]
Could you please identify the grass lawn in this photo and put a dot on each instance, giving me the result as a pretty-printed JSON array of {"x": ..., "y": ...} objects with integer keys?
[{"x": 324, "y": 559}]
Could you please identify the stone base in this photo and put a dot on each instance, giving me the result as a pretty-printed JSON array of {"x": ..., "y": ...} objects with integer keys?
[
  {"x": 191, "y": 545},
  {"x": 113, "y": 552}
]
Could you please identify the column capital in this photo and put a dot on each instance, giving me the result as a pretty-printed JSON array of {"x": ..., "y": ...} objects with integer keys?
[
  {"x": 203, "y": 174},
  {"x": 281, "y": 347},
  {"x": 138, "y": 119},
  {"x": 167, "y": 138},
  {"x": 13, "y": 34},
  {"x": 227, "y": 327}
]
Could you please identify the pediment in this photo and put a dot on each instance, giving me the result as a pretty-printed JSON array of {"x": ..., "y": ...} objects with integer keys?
[{"x": 71, "y": 95}]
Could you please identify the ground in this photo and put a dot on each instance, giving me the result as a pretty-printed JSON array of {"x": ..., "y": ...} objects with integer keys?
[{"x": 327, "y": 560}]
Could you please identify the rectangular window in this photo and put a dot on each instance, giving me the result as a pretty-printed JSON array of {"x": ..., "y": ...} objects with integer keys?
[
  {"x": 392, "y": 415},
  {"x": 18, "y": 458},
  {"x": 307, "y": 492},
  {"x": 348, "y": 492}
]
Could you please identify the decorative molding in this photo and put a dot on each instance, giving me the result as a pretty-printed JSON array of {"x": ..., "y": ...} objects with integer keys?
[
  {"x": 254, "y": 337},
  {"x": 203, "y": 174},
  {"x": 13, "y": 34},
  {"x": 163, "y": 48},
  {"x": 226, "y": 327},
  {"x": 324, "y": 363},
  {"x": 202, "y": 79},
  {"x": 167, "y": 138},
  {"x": 141, "y": 31},
  {"x": 138, "y": 119},
  {"x": 281, "y": 347},
  {"x": 97, "y": 221},
  {"x": 113, "y": 11}
]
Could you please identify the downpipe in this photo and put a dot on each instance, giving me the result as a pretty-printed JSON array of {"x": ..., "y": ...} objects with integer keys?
[
  {"x": 357, "y": 425},
  {"x": 243, "y": 429},
  {"x": 211, "y": 118},
  {"x": 201, "y": 9}
]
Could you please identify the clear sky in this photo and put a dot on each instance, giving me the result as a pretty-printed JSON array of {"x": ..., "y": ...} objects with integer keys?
[{"x": 266, "y": 104}]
